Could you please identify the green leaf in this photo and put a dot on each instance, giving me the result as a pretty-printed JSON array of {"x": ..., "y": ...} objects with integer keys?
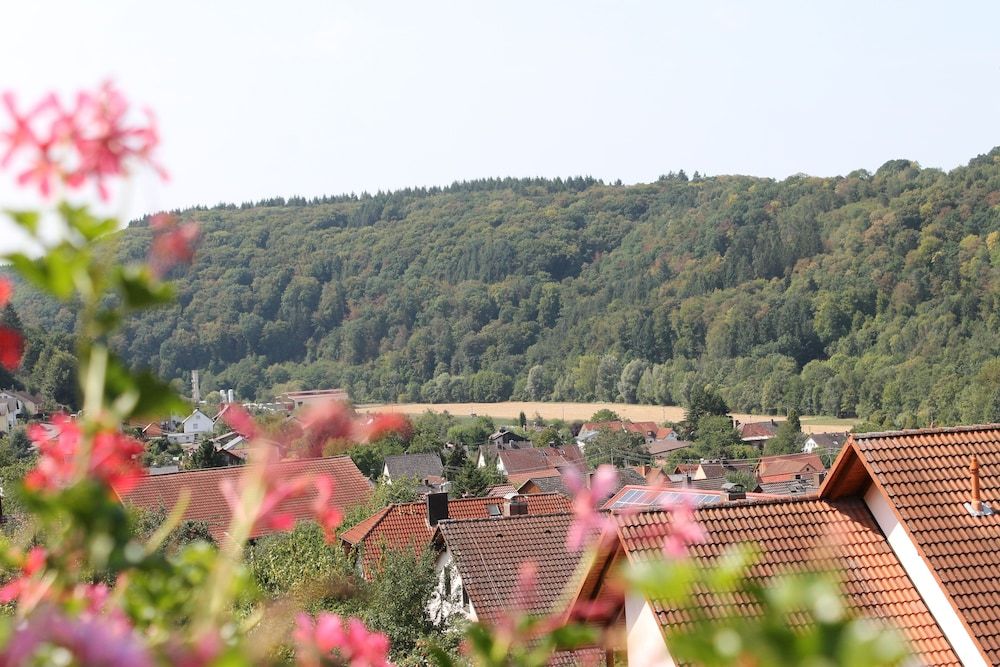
[
  {"x": 133, "y": 394},
  {"x": 55, "y": 272},
  {"x": 140, "y": 288},
  {"x": 27, "y": 220},
  {"x": 89, "y": 226}
]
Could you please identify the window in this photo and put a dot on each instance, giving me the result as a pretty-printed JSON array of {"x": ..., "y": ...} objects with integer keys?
[
  {"x": 465, "y": 598},
  {"x": 447, "y": 581}
]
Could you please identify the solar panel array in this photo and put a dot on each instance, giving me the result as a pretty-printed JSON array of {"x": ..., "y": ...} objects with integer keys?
[{"x": 653, "y": 498}]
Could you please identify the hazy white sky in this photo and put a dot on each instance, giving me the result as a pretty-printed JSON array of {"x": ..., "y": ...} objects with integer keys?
[{"x": 279, "y": 98}]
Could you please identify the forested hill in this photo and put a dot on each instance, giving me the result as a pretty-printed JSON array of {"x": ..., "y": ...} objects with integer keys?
[{"x": 870, "y": 294}]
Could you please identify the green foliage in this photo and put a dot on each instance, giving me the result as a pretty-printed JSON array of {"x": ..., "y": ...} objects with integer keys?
[
  {"x": 703, "y": 402},
  {"x": 789, "y": 438},
  {"x": 818, "y": 294},
  {"x": 206, "y": 456},
  {"x": 471, "y": 480},
  {"x": 395, "y": 601},
  {"x": 605, "y": 415},
  {"x": 618, "y": 448},
  {"x": 744, "y": 478},
  {"x": 548, "y": 436},
  {"x": 297, "y": 562},
  {"x": 717, "y": 439},
  {"x": 384, "y": 494}
]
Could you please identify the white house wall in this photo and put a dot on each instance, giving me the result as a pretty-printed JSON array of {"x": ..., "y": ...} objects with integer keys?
[
  {"x": 442, "y": 607},
  {"x": 644, "y": 639},
  {"x": 923, "y": 580}
]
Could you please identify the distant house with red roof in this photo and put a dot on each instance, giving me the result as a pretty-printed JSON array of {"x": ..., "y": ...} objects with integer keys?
[
  {"x": 787, "y": 467},
  {"x": 411, "y": 525},
  {"x": 207, "y": 503},
  {"x": 757, "y": 432}
]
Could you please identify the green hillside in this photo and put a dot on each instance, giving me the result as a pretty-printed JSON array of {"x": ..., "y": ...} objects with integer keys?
[{"x": 875, "y": 295}]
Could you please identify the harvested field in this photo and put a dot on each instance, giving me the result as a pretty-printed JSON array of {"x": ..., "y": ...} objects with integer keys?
[{"x": 509, "y": 411}]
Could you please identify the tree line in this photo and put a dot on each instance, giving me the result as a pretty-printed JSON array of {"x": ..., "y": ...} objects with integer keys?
[{"x": 873, "y": 294}]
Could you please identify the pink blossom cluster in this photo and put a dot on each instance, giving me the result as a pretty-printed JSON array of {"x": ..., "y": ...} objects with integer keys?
[
  {"x": 173, "y": 242},
  {"x": 112, "y": 458},
  {"x": 96, "y": 640},
  {"x": 91, "y": 140},
  {"x": 588, "y": 519},
  {"x": 684, "y": 530},
  {"x": 11, "y": 341},
  {"x": 356, "y": 644}
]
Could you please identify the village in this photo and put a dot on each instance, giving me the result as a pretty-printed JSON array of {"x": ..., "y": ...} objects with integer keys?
[{"x": 906, "y": 508}]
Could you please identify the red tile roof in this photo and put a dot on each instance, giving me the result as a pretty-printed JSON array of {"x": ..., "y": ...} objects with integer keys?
[
  {"x": 207, "y": 504},
  {"x": 539, "y": 458},
  {"x": 925, "y": 476},
  {"x": 405, "y": 525},
  {"x": 489, "y": 554},
  {"x": 791, "y": 535},
  {"x": 783, "y": 468},
  {"x": 518, "y": 479},
  {"x": 757, "y": 430}
]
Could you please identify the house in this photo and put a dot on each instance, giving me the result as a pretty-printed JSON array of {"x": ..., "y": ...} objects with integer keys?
[
  {"x": 504, "y": 437},
  {"x": 8, "y": 418},
  {"x": 425, "y": 469},
  {"x": 916, "y": 525},
  {"x": 757, "y": 432},
  {"x": 650, "y": 431},
  {"x": 645, "y": 496},
  {"x": 293, "y": 400},
  {"x": 21, "y": 403},
  {"x": 479, "y": 567},
  {"x": 789, "y": 535},
  {"x": 191, "y": 427},
  {"x": 719, "y": 468},
  {"x": 412, "y": 525},
  {"x": 536, "y": 485},
  {"x": 514, "y": 461},
  {"x": 787, "y": 467},
  {"x": 660, "y": 449},
  {"x": 824, "y": 441},
  {"x": 207, "y": 503}
]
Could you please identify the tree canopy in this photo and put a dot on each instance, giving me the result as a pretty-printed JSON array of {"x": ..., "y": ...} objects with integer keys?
[{"x": 871, "y": 294}]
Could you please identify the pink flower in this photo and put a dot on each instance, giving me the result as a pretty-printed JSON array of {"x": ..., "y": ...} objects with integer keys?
[
  {"x": 113, "y": 458},
  {"x": 6, "y": 290},
  {"x": 383, "y": 423},
  {"x": 173, "y": 242},
  {"x": 238, "y": 419},
  {"x": 25, "y": 585},
  {"x": 588, "y": 519},
  {"x": 11, "y": 348},
  {"x": 22, "y": 135},
  {"x": 684, "y": 530},
  {"x": 93, "y": 640},
  {"x": 90, "y": 142},
  {"x": 325, "y": 422},
  {"x": 327, "y": 516},
  {"x": 356, "y": 644}
]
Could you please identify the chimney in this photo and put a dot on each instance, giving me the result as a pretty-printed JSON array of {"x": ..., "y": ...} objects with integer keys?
[
  {"x": 437, "y": 508},
  {"x": 195, "y": 388},
  {"x": 977, "y": 507},
  {"x": 517, "y": 506},
  {"x": 733, "y": 491},
  {"x": 231, "y": 396}
]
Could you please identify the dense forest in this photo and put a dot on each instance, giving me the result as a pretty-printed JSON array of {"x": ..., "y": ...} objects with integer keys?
[{"x": 876, "y": 295}]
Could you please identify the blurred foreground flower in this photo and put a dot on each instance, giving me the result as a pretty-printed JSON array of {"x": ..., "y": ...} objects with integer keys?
[
  {"x": 90, "y": 141},
  {"x": 316, "y": 640},
  {"x": 11, "y": 342}
]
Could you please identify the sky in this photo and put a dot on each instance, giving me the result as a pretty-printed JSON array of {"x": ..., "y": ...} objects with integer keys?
[{"x": 258, "y": 99}]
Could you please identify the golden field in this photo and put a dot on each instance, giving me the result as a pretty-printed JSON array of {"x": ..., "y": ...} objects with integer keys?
[{"x": 509, "y": 410}]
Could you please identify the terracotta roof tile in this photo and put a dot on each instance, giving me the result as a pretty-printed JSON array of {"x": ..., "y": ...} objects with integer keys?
[
  {"x": 207, "y": 504},
  {"x": 405, "y": 525},
  {"x": 489, "y": 553},
  {"x": 796, "y": 534},
  {"x": 925, "y": 474}
]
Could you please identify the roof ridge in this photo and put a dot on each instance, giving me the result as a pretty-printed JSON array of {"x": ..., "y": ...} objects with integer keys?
[
  {"x": 925, "y": 431},
  {"x": 286, "y": 462},
  {"x": 494, "y": 519}
]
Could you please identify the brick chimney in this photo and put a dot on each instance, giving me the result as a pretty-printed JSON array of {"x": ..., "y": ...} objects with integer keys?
[
  {"x": 976, "y": 507},
  {"x": 516, "y": 506},
  {"x": 437, "y": 508}
]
